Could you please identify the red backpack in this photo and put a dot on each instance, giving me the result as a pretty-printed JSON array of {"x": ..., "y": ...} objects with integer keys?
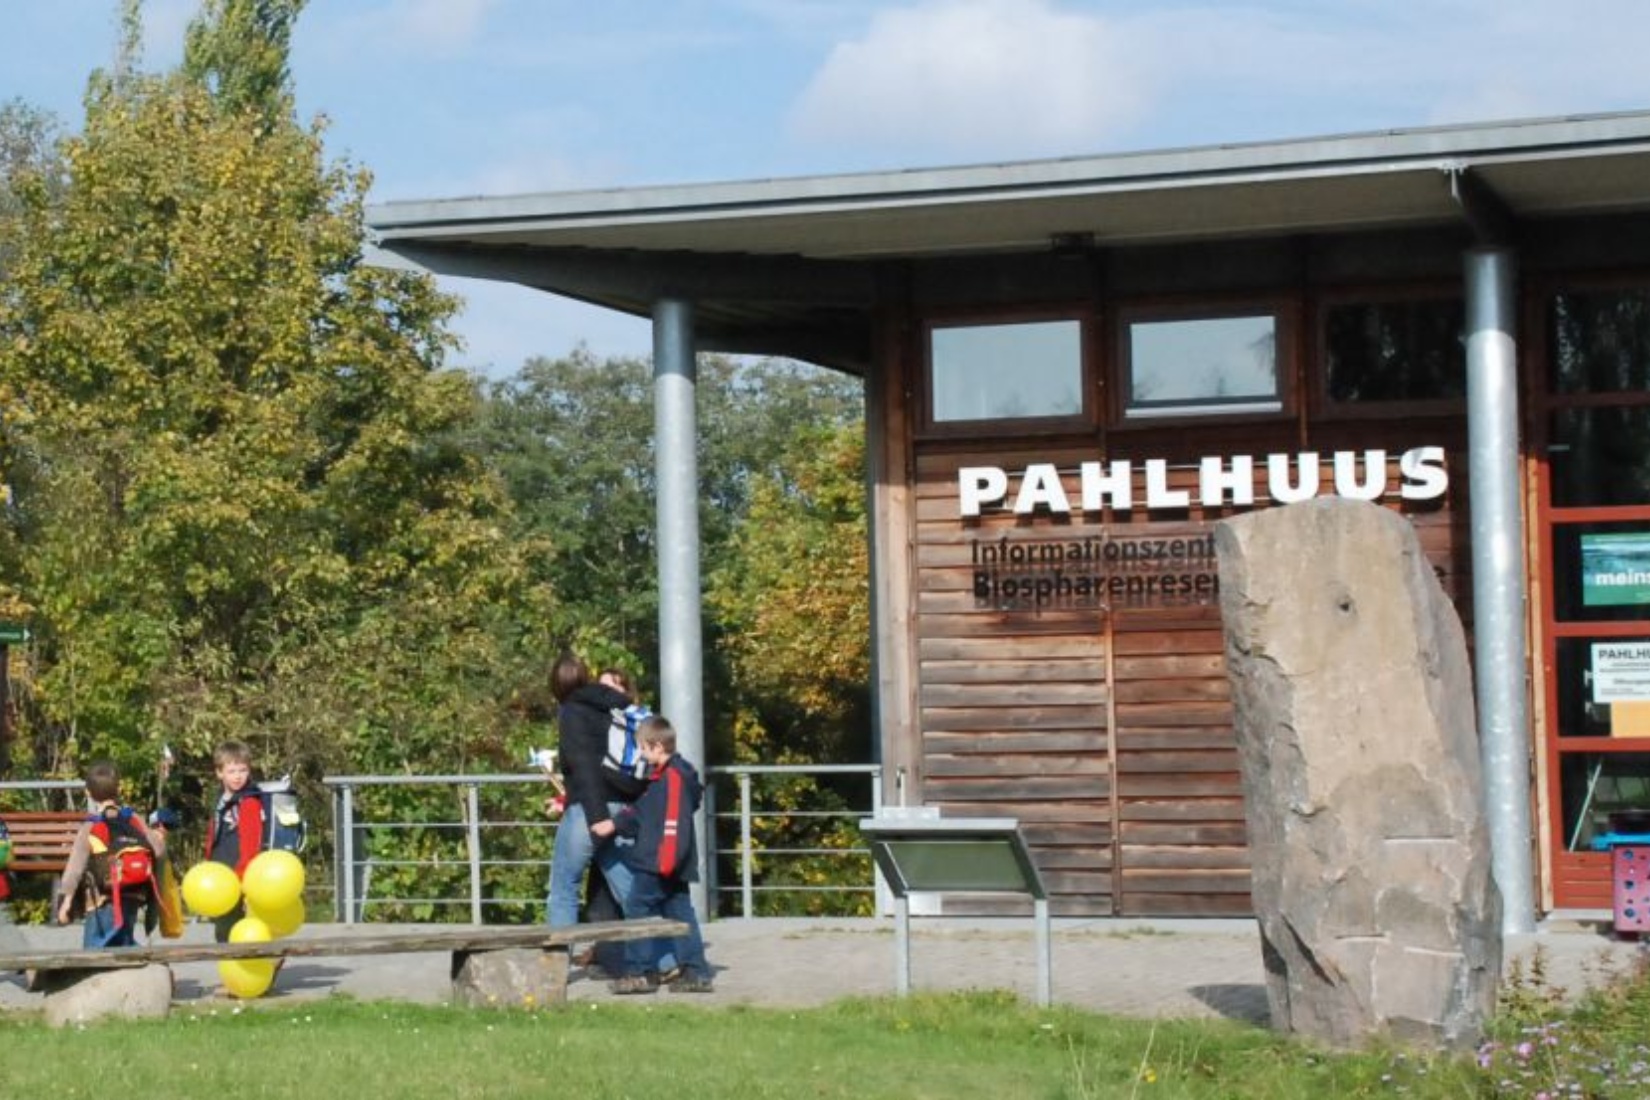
[{"x": 123, "y": 860}]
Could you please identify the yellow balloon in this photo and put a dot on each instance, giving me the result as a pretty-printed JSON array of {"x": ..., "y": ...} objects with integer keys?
[
  {"x": 211, "y": 889},
  {"x": 247, "y": 978},
  {"x": 273, "y": 879},
  {"x": 250, "y": 930},
  {"x": 283, "y": 921}
]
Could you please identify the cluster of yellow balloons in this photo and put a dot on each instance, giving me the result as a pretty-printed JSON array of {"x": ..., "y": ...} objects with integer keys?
[{"x": 273, "y": 888}]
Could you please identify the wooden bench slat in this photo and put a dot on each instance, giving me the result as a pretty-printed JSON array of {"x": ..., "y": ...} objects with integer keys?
[
  {"x": 41, "y": 839},
  {"x": 456, "y": 938}
]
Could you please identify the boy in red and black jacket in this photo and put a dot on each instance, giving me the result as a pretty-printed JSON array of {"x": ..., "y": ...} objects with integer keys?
[
  {"x": 236, "y": 831},
  {"x": 663, "y": 861}
]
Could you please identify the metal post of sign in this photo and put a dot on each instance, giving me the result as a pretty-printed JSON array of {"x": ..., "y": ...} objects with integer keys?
[
  {"x": 1045, "y": 956},
  {"x": 902, "y": 945}
]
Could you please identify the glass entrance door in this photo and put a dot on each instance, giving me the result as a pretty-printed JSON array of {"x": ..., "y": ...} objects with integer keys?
[{"x": 1593, "y": 493}]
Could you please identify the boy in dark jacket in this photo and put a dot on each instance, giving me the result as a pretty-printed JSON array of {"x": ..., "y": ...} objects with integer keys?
[
  {"x": 663, "y": 861},
  {"x": 235, "y": 832}
]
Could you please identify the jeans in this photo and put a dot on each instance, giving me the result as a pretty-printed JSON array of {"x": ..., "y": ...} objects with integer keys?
[
  {"x": 652, "y": 896},
  {"x": 570, "y": 860},
  {"x": 100, "y": 931}
]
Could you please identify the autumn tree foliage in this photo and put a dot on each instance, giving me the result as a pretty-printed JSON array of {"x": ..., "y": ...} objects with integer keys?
[{"x": 247, "y": 497}]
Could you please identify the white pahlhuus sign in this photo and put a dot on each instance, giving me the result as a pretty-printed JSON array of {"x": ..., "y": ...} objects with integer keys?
[{"x": 1360, "y": 475}]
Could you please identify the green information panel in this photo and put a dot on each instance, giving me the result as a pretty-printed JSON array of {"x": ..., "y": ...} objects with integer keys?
[
  {"x": 962, "y": 865},
  {"x": 1615, "y": 569}
]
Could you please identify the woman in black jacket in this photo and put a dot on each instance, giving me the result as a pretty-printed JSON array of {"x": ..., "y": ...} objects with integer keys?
[{"x": 594, "y": 793}]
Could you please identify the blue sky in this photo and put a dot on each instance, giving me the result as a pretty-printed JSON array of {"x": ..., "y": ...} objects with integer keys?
[{"x": 442, "y": 98}]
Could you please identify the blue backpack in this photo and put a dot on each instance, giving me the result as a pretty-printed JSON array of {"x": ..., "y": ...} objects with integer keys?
[
  {"x": 623, "y": 759},
  {"x": 284, "y": 826}
]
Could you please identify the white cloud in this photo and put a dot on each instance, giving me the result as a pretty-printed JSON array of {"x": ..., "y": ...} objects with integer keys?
[
  {"x": 994, "y": 78},
  {"x": 1358, "y": 65},
  {"x": 423, "y": 27},
  {"x": 951, "y": 80}
]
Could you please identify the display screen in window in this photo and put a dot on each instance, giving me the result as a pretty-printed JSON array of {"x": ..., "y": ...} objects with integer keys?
[
  {"x": 1208, "y": 365},
  {"x": 1615, "y": 569},
  {"x": 1601, "y": 571},
  {"x": 1004, "y": 372}
]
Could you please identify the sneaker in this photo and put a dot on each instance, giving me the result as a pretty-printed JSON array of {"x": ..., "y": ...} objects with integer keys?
[
  {"x": 633, "y": 983},
  {"x": 665, "y": 977},
  {"x": 693, "y": 983}
]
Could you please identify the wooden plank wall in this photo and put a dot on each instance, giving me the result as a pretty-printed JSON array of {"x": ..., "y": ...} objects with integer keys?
[
  {"x": 1106, "y": 730},
  {"x": 1013, "y": 713}
]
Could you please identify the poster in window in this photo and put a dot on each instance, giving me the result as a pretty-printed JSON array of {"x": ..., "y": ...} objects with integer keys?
[
  {"x": 1615, "y": 569},
  {"x": 1621, "y": 681}
]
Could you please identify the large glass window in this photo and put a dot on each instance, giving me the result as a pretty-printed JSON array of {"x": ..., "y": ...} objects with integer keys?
[
  {"x": 1201, "y": 366},
  {"x": 1008, "y": 371},
  {"x": 1395, "y": 351},
  {"x": 1599, "y": 786},
  {"x": 1600, "y": 341}
]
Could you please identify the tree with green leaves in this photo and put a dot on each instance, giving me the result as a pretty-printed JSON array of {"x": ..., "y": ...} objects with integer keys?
[
  {"x": 573, "y": 438},
  {"x": 249, "y": 499},
  {"x": 790, "y": 595}
]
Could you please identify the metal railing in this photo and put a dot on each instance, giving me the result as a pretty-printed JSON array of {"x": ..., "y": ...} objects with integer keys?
[
  {"x": 42, "y": 794},
  {"x": 486, "y": 839},
  {"x": 355, "y": 863},
  {"x": 395, "y": 843},
  {"x": 855, "y": 876}
]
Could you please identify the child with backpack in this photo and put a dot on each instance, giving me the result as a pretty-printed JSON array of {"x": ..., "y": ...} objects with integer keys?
[
  {"x": 111, "y": 866},
  {"x": 247, "y": 818}
]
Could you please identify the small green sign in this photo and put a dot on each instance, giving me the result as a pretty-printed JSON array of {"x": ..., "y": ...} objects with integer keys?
[
  {"x": 1615, "y": 568},
  {"x": 13, "y": 633}
]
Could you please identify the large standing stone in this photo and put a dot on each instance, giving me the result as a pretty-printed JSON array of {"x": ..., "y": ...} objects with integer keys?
[
  {"x": 128, "y": 993},
  {"x": 516, "y": 977},
  {"x": 1361, "y": 774}
]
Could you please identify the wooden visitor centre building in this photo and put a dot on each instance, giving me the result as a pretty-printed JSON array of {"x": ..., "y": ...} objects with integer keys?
[{"x": 1075, "y": 367}]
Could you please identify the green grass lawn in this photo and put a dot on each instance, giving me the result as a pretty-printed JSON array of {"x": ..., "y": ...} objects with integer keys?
[
  {"x": 979, "y": 1045},
  {"x": 942, "y": 1047}
]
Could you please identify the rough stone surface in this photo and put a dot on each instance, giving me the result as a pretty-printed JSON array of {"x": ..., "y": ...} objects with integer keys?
[
  {"x": 132, "y": 993},
  {"x": 1357, "y": 739},
  {"x": 511, "y": 978}
]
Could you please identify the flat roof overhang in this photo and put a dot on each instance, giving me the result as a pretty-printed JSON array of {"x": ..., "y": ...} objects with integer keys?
[{"x": 791, "y": 266}]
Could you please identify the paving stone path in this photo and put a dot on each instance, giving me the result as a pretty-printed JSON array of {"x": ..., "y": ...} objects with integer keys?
[{"x": 1161, "y": 968}]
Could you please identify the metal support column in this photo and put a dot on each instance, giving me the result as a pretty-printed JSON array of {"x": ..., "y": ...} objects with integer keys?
[
  {"x": 676, "y": 479},
  {"x": 1501, "y": 661}
]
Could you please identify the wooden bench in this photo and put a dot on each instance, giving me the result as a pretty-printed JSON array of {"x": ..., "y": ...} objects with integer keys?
[
  {"x": 41, "y": 839},
  {"x": 487, "y": 960}
]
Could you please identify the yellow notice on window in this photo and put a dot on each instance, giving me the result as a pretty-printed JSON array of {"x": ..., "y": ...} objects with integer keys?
[{"x": 1630, "y": 719}]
